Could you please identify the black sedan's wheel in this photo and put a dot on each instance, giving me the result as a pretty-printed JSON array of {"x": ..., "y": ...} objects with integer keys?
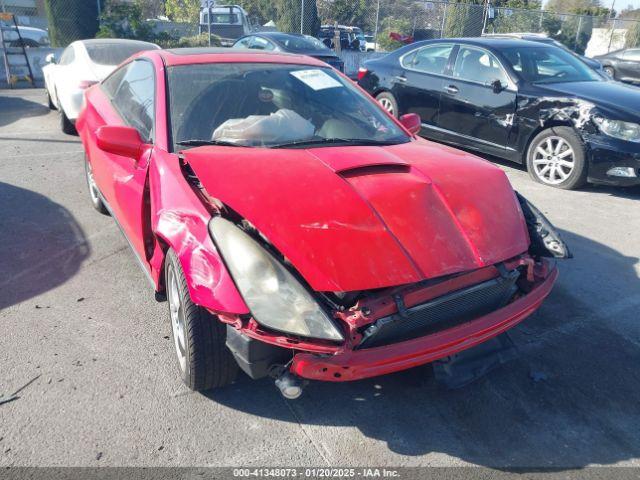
[
  {"x": 388, "y": 102},
  {"x": 556, "y": 157},
  {"x": 94, "y": 193},
  {"x": 198, "y": 336},
  {"x": 610, "y": 71}
]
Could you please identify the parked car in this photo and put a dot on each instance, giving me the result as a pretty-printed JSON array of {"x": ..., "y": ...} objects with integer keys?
[
  {"x": 536, "y": 37},
  {"x": 82, "y": 64},
  {"x": 229, "y": 22},
  {"x": 622, "y": 64},
  {"x": 296, "y": 228},
  {"x": 28, "y": 36},
  {"x": 291, "y": 43},
  {"x": 523, "y": 101},
  {"x": 370, "y": 43},
  {"x": 351, "y": 38}
]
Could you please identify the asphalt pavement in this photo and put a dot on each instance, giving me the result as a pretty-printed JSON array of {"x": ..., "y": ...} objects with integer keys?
[{"x": 82, "y": 333}]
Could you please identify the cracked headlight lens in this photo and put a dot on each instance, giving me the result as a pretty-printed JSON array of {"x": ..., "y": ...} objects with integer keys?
[
  {"x": 619, "y": 129},
  {"x": 274, "y": 296}
]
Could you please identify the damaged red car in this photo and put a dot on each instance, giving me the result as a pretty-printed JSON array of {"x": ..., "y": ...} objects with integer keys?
[{"x": 299, "y": 231}]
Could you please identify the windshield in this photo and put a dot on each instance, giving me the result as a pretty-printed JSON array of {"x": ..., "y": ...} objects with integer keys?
[
  {"x": 268, "y": 105},
  {"x": 548, "y": 64},
  {"x": 115, "y": 53}
]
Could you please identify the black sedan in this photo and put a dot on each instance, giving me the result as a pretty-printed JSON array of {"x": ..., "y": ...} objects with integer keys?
[
  {"x": 290, "y": 43},
  {"x": 623, "y": 64},
  {"x": 519, "y": 100}
]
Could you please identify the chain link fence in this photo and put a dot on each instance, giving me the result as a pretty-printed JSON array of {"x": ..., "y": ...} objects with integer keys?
[{"x": 356, "y": 29}]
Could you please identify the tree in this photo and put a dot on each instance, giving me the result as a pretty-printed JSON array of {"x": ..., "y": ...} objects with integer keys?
[
  {"x": 71, "y": 20},
  {"x": 289, "y": 13},
  {"x": 187, "y": 11},
  {"x": 464, "y": 19},
  {"x": 124, "y": 20}
]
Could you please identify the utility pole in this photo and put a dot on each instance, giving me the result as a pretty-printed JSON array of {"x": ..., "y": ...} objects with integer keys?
[
  {"x": 613, "y": 25},
  {"x": 375, "y": 34},
  {"x": 302, "y": 17},
  {"x": 209, "y": 20}
]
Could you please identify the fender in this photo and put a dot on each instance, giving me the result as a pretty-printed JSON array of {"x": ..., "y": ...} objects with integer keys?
[{"x": 179, "y": 220}]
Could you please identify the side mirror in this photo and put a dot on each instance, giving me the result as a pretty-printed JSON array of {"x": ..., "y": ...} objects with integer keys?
[
  {"x": 123, "y": 141},
  {"x": 412, "y": 122},
  {"x": 497, "y": 86},
  {"x": 51, "y": 58}
]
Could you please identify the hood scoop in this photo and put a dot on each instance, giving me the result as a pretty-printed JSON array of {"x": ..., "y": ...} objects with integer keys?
[{"x": 378, "y": 169}]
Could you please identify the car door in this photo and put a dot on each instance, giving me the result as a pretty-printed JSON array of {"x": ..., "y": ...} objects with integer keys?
[
  {"x": 474, "y": 110},
  {"x": 629, "y": 64},
  {"x": 131, "y": 91},
  {"x": 418, "y": 87}
]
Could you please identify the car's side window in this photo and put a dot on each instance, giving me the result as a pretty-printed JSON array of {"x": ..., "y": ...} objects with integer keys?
[
  {"x": 244, "y": 43},
  {"x": 430, "y": 59},
  {"x": 632, "y": 55},
  {"x": 134, "y": 97},
  {"x": 261, "y": 44},
  {"x": 67, "y": 56},
  {"x": 478, "y": 65}
]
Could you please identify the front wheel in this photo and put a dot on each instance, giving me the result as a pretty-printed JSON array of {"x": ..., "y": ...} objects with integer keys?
[
  {"x": 388, "y": 102},
  {"x": 556, "y": 157},
  {"x": 610, "y": 71},
  {"x": 94, "y": 193},
  {"x": 198, "y": 336}
]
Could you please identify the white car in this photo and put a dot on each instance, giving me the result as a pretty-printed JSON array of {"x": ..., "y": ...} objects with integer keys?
[
  {"x": 82, "y": 64},
  {"x": 31, "y": 36}
]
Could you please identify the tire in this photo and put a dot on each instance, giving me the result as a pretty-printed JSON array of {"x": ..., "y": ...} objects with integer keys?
[
  {"x": 388, "y": 102},
  {"x": 556, "y": 157},
  {"x": 199, "y": 337},
  {"x": 94, "y": 192},
  {"x": 65, "y": 124},
  {"x": 610, "y": 71},
  {"x": 49, "y": 101}
]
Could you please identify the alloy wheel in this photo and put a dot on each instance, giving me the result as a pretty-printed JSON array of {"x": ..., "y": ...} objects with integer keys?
[
  {"x": 387, "y": 105},
  {"x": 553, "y": 160},
  {"x": 93, "y": 188},
  {"x": 177, "y": 319}
]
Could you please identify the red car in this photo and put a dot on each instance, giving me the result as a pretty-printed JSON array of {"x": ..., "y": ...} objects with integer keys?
[{"x": 299, "y": 231}]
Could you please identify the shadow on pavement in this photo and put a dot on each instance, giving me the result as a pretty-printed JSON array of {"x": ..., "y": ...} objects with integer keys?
[
  {"x": 42, "y": 245},
  {"x": 569, "y": 399},
  {"x": 16, "y": 108}
]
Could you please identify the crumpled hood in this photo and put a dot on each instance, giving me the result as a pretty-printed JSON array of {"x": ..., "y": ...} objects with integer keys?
[
  {"x": 615, "y": 96},
  {"x": 356, "y": 218}
]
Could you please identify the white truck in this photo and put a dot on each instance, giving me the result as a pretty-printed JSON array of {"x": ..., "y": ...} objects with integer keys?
[{"x": 229, "y": 22}]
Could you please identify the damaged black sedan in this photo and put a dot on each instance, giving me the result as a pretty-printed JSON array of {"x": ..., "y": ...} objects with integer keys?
[{"x": 519, "y": 100}]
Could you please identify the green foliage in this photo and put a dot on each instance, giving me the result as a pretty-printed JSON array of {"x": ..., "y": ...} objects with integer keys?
[
  {"x": 396, "y": 25},
  {"x": 289, "y": 12},
  {"x": 349, "y": 12},
  {"x": 200, "y": 40},
  {"x": 124, "y": 20},
  {"x": 183, "y": 10},
  {"x": 464, "y": 20},
  {"x": 262, "y": 11},
  {"x": 71, "y": 20}
]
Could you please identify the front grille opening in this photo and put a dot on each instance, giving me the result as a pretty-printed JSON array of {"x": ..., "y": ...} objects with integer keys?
[{"x": 442, "y": 313}]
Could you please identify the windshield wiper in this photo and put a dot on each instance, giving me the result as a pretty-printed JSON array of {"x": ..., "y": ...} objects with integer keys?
[
  {"x": 335, "y": 141},
  {"x": 194, "y": 142}
]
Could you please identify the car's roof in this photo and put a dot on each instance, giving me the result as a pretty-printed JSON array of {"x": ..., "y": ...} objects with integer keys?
[
  {"x": 114, "y": 41},
  {"x": 489, "y": 42},
  {"x": 187, "y": 56}
]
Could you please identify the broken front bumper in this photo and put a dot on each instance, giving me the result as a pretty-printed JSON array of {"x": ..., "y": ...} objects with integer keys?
[{"x": 357, "y": 364}]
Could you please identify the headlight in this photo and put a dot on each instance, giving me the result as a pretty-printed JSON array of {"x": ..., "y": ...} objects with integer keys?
[
  {"x": 619, "y": 129},
  {"x": 274, "y": 296}
]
